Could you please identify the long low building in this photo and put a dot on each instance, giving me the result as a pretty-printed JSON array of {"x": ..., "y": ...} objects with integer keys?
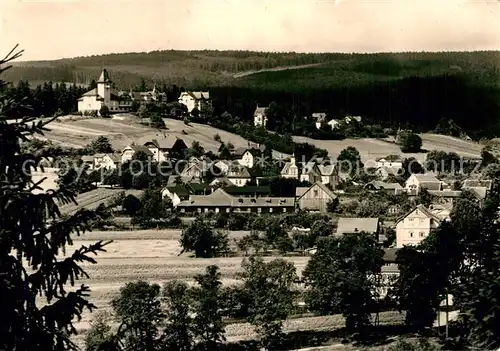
[{"x": 221, "y": 201}]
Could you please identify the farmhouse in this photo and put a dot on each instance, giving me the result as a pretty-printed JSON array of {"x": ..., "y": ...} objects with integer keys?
[
  {"x": 103, "y": 95},
  {"x": 147, "y": 97},
  {"x": 106, "y": 161},
  {"x": 180, "y": 193},
  {"x": 238, "y": 175},
  {"x": 417, "y": 224},
  {"x": 390, "y": 188},
  {"x": 314, "y": 198},
  {"x": 194, "y": 99},
  {"x": 290, "y": 169},
  {"x": 329, "y": 175},
  {"x": 221, "y": 201},
  {"x": 416, "y": 182},
  {"x": 259, "y": 117},
  {"x": 391, "y": 161},
  {"x": 250, "y": 157},
  {"x": 162, "y": 148},
  {"x": 129, "y": 151},
  {"x": 384, "y": 173}
]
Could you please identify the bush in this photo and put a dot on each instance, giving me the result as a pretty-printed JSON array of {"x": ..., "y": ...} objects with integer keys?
[{"x": 104, "y": 111}]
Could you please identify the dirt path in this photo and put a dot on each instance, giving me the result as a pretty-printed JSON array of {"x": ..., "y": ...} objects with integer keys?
[{"x": 276, "y": 69}]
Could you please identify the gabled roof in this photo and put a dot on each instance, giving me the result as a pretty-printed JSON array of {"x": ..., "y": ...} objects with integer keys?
[
  {"x": 390, "y": 158},
  {"x": 238, "y": 171},
  {"x": 322, "y": 187},
  {"x": 197, "y": 95},
  {"x": 426, "y": 178},
  {"x": 357, "y": 225},
  {"x": 428, "y": 213},
  {"x": 389, "y": 170},
  {"x": 301, "y": 190},
  {"x": 92, "y": 92},
  {"x": 87, "y": 158},
  {"x": 309, "y": 167},
  {"x": 445, "y": 193},
  {"x": 137, "y": 148},
  {"x": 260, "y": 110},
  {"x": 383, "y": 185},
  {"x": 263, "y": 202},
  {"x": 286, "y": 168},
  {"x": 115, "y": 158},
  {"x": 165, "y": 143},
  {"x": 479, "y": 191}
]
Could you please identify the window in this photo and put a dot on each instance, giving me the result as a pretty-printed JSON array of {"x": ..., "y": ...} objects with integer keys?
[
  {"x": 270, "y": 210},
  {"x": 315, "y": 193},
  {"x": 421, "y": 220},
  {"x": 227, "y": 210},
  {"x": 411, "y": 235},
  {"x": 259, "y": 210},
  {"x": 410, "y": 219},
  {"x": 422, "y": 234},
  {"x": 284, "y": 209}
]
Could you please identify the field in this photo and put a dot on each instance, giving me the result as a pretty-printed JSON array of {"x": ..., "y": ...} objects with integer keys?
[
  {"x": 124, "y": 129},
  {"x": 371, "y": 149},
  {"x": 153, "y": 255}
]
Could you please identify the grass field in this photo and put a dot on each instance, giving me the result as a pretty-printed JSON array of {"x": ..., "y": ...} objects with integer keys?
[
  {"x": 124, "y": 130},
  {"x": 78, "y": 132},
  {"x": 153, "y": 255}
]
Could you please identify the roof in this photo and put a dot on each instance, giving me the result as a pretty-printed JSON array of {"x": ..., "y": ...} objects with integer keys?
[
  {"x": 113, "y": 157},
  {"x": 238, "y": 171},
  {"x": 445, "y": 193},
  {"x": 197, "y": 95},
  {"x": 428, "y": 213},
  {"x": 172, "y": 180},
  {"x": 300, "y": 190},
  {"x": 166, "y": 143},
  {"x": 104, "y": 78},
  {"x": 480, "y": 191},
  {"x": 263, "y": 202},
  {"x": 327, "y": 169},
  {"x": 260, "y": 110},
  {"x": 187, "y": 188},
  {"x": 319, "y": 116},
  {"x": 217, "y": 198},
  {"x": 322, "y": 187},
  {"x": 287, "y": 167},
  {"x": 390, "y": 254},
  {"x": 391, "y": 158},
  {"x": 238, "y": 190},
  {"x": 426, "y": 178},
  {"x": 475, "y": 183},
  {"x": 92, "y": 92},
  {"x": 383, "y": 185},
  {"x": 333, "y": 122},
  {"x": 357, "y": 225},
  {"x": 87, "y": 158},
  {"x": 389, "y": 170},
  {"x": 138, "y": 148}
]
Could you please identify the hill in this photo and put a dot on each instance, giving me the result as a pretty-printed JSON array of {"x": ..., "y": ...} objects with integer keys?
[{"x": 209, "y": 68}]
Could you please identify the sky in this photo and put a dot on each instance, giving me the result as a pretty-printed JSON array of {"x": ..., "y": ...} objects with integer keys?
[{"x": 52, "y": 29}]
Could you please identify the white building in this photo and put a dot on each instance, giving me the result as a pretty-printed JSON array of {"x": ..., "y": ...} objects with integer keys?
[
  {"x": 103, "y": 95},
  {"x": 250, "y": 158},
  {"x": 417, "y": 224},
  {"x": 107, "y": 161},
  {"x": 192, "y": 99},
  {"x": 290, "y": 170},
  {"x": 416, "y": 182},
  {"x": 259, "y": 117},
  {"x": 390, "y": 161}
]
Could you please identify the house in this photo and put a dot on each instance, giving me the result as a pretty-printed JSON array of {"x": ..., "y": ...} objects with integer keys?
[
  {"x": 390, "y": 188},
  {"x": 148, "y": 97},
  {"x": 334, "y": 123},
  {"x": 290, "y": 169},
  {"x": 329, "y": 174},
  {"x": 161, "y": 148},
  {"x": 416, "y": 182},
  {"x": 476, "y": 183},
  {"x": 319, "y": 119},
  {"x": 88, "y": 161},
  {"x": 250, "y": 157},
  {"x": 417, "y": 224},
  {"x": 103, "y": 95},
  {"x": 221, "y": 201},
  {"x": 197, "y": 169},
  {"x": 310, "y": 173},
  {"x": 129, "y": 151},
  {"x": 106, "y": 161},
  {"x": 314, "y": 198},
  {"x": 48, "y": 177},
  {"x": 259, "y": 117},
  {"x": 357, "y": 225},
  {"x": 383, "y": 173},
  {"x": 194, "y": 99},
  {"x": 391, "y": 161},
  {"x": 238, "y": 175},
  {"x": 388, "y": 274},
  {"x": 179, "y": 193},
  {"x": 445, "y": 196},
  {"x": 223, "y": 165}
]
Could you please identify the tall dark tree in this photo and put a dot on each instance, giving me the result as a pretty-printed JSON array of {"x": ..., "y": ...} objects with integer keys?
[{"x": 32, "y": 235}]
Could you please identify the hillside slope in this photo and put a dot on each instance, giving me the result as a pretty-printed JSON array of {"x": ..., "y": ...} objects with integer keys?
[{"x": 209, "y": 68}]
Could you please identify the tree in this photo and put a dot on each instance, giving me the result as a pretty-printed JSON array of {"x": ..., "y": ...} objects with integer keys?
[
  {"x": 332, "y": 205},
  {"x": 269, "y": 286},
  {"x": 178, "y": 333},
  {"x": 350, "y": 160},
  {"x": 409, "y": 141},
  {"x": 340, "y": 278},
  {"x": 139, "y": 309},
  {"x": 201, "y": 238},
  {"x": 487, "y": 157},
  {"x": 320, "y": 228},
  {"x": 410, "y": 166},
  {"x": 153, "y": 208},
  {"x": 195, "y": 112},
  {"x": 143, "y": 112},
  {"x": 93, "y": 84},
  {"x": 98, "y": 334},
  {"x": 156, "y": 121},
  {"x": 131, "y": 205},
  {"x": 206, "y": 110},
  {"x": 208, "y": 320},
  {"x": 104, "y": 111},
  {"x": 196, "y": 150},
  {"x": 101, "y": 145}
]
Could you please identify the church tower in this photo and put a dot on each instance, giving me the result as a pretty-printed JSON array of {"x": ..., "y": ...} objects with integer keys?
[{"x": 104, "y": 87}]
